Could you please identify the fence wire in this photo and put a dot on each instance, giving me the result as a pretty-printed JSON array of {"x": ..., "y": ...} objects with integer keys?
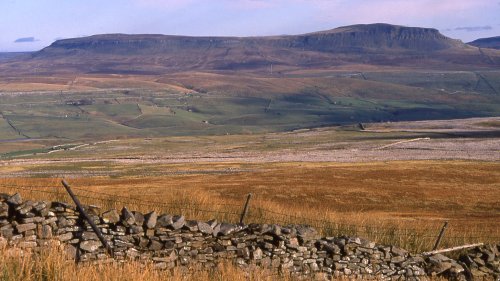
[{"x": 258, "y": 214}]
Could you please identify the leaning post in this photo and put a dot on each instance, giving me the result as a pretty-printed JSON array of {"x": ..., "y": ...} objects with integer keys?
[
  {"x": 245, "y": 209},
  {"x": 440, "y": 236},
  {"x": 87, "y": 218}
]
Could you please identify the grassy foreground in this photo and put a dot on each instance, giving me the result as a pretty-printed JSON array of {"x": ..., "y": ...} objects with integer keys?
[
  {"x": 52, "y": 265},
  {"x": 401, "y": 203}
]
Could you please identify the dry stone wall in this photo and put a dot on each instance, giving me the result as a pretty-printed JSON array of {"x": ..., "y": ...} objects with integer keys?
[{"x": 172, "y": 240}]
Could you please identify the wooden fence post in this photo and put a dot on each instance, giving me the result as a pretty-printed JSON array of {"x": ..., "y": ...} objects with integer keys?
[
  {"x": 82, "y": 211},
  {"x": 245, "y": 209},
  {"x": 440, "y": 236}
]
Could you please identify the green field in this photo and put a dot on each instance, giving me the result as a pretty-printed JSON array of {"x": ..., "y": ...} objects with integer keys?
[{"x": 208, "y": 104}]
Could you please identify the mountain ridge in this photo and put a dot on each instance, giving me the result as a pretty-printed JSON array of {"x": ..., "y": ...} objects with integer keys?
[
  {"x": 392, "y": 33},
  {"x": 363, "y": 44}
]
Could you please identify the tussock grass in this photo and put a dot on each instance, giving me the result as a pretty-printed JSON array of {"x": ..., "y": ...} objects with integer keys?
[
  {"x": 51, "y": 264},
  {"x": 399, "y": 203}
]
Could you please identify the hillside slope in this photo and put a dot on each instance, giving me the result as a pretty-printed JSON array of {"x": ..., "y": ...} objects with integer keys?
[{"x": 490, "y": 42}]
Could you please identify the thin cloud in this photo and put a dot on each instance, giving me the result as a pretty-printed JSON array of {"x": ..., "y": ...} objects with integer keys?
[
  {"x": 474, "y": 28},
  {"x": 26, "y": 40},
  {"x": 168, "y": 4},
  {"x": 392, "y": 11}
]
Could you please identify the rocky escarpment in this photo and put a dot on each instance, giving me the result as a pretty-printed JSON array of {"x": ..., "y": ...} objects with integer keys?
[
  {"x": 379, "y": 38},
  {"x": 371, "y": 44},
  {"x": 349, "y": 39},
  {"x": 172, "y": 240}
]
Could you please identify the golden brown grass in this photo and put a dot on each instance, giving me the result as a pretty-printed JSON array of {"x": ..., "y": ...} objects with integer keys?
[
  {"x": 29, "y": 87},
  {"x": 493, "y": 123},
  {"x": 51, "y": 264},
  {"x": 72, "y": 82},
  {"x": 403, "y": 203}
]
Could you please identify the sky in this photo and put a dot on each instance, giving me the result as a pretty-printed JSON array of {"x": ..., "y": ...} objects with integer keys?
[{"x": 29, "y": 25}]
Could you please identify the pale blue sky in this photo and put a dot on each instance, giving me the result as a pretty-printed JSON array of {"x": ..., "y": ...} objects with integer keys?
[{"x": 37, "y": 23}]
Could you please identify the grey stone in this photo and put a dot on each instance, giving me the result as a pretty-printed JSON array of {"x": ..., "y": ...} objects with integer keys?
[
  {"x": 397, "y": 259},
  {"x": 4, "y": 210},
  {"x": 438, "y": 258},
  {"x": 169, "y": 245},
  {"x": 135, "y": 229},
  {"x": 191, "y": 225},
  {"x": 89, "y": 235},
  {"x": 142, "y": 242},
  {"x": 150, "y": 232},
  {"x": 205, "y": 228},
  {"x": 275, "y": 230},
  {"x": 441, "y": 267},
  {"x": 46, "y": 232},
  {"x": 398, "y": 251},
  {"x": 477, "y": 274},
  {"x": 353, "y": 240},
  {"x": 307, "y": 233},
  {"x": 139, "y": 218},
  {"x": 164, "y": 221},
  {"x": 90, "y": 245},
  {"x": 489, "y": 256},
  {"x": 92, "y": 210},
  {"x": 25, "y": 227},
  {"x": 212, "y": 223},
  {"x": 15, "y": 200},
  {"x": 65, "y": 222},
  {"x": 150, "y": 219},
  {"x": 155, "y": 245},
  {"x": 132, "y": 253},
  {"x": 293, "y": 248},
  {"x": 178, "y": 222},
  {"x": 486, "y": 270},
  {"x": 479, "y": 261},
  {"x": 257, "y": 254},
  {"x": 458, "y": 269},
  {"x": 7, "y": 231},
  {"x": 227, "y": 228},
  {"x": 127, "y": 217},
  {"x": 332, "y": 248},
  {"x": 50, "y": 220},
  {"x": 216, "y": 229},
  {"x": 110, "y": 216},
  {"x": 39, "y": 206},
  {"x": 65, "y": 236},
  {"x": 70, "y": 251},
  {"x": 25, "y": 208},
  {"x": 367, "y": 244},
  {"x": 121, "y": 243},
  {"x": 33, "y": 219}
]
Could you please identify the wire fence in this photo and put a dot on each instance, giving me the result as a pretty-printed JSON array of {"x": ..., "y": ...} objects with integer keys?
[{"x": 417, "y": 238}]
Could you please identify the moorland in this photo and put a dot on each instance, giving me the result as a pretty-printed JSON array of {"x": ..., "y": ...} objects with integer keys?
[{"x": 377, "y": 131}]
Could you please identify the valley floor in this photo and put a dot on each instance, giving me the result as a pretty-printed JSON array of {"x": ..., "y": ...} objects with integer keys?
[
  {"x": 391, "y": 182},
  {"x": 476, "y": 139}
]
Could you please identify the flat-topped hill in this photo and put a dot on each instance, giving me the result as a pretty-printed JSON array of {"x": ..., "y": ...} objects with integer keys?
[{"x": 367, "y": 44}]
